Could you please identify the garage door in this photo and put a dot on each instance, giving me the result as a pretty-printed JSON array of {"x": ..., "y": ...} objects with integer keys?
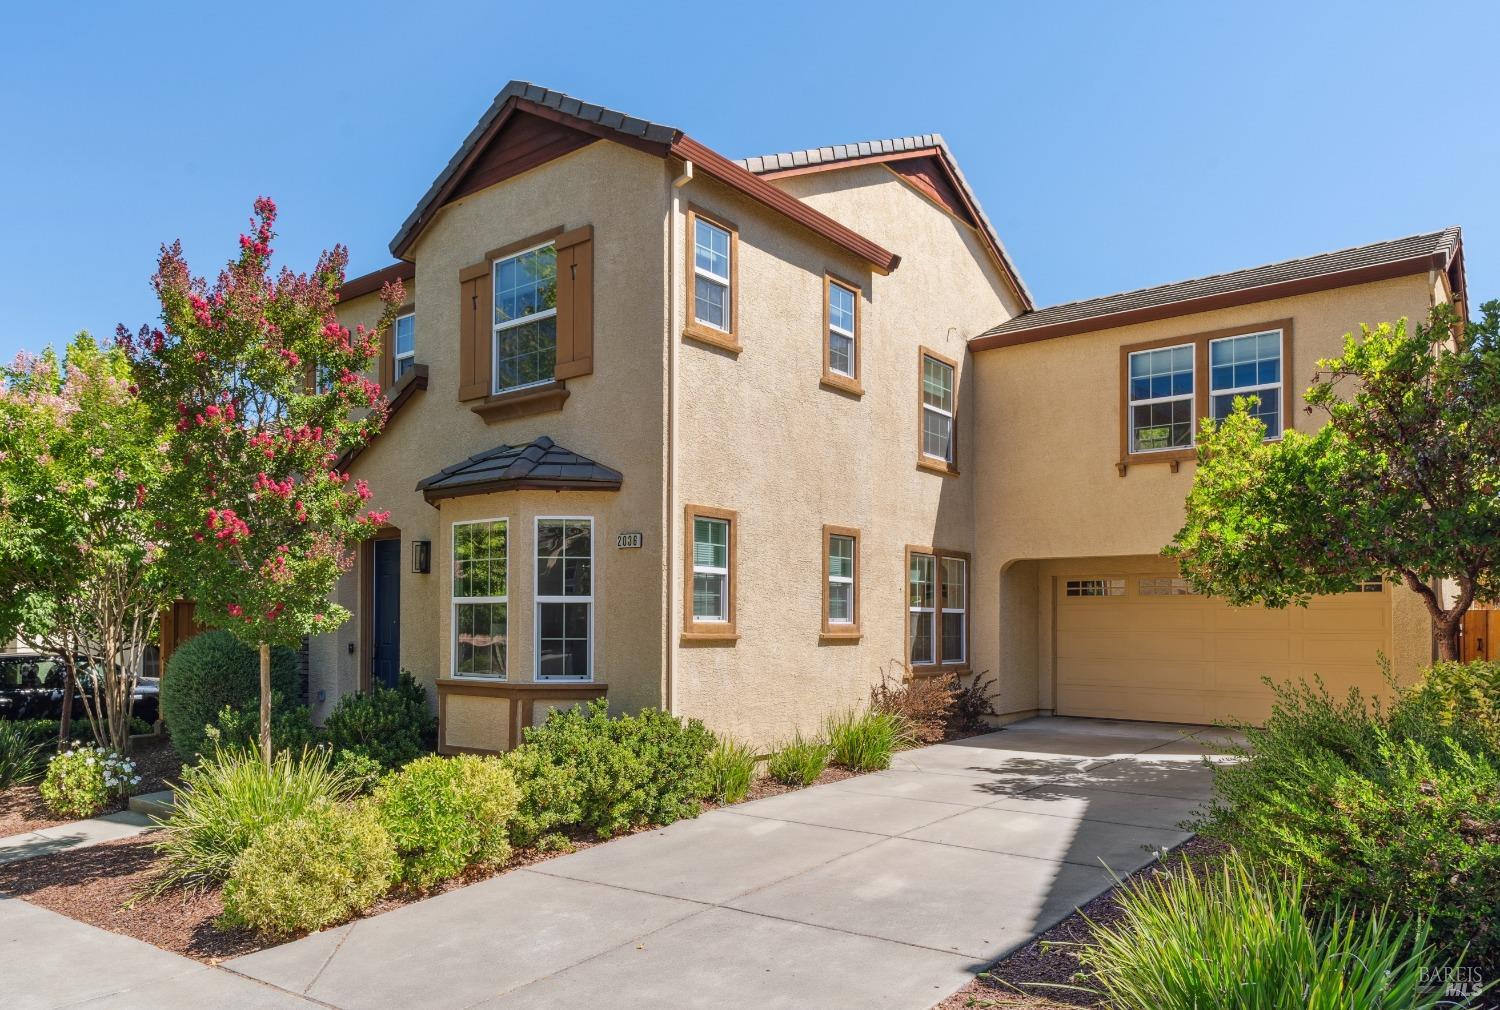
[{"x": 1139, "y": 645}]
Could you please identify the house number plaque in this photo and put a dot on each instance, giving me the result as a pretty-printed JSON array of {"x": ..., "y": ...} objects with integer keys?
[{"x": 624, "y": 540}]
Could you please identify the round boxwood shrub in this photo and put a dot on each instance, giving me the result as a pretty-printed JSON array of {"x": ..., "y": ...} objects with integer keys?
[
  {"x": 211, "y": 670},
  {"x": 329, "y": 863},
  {"x": 447, "y": 814}
]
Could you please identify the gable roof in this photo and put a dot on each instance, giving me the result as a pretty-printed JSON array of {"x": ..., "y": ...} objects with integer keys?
[
  {"x": 541, "y": 464},
  {"x": 652, "y": 138},
  {"x": 364, "y": 284},
  {"x": 899, "y": 153},
  {"x": 1440, "y": 250}
]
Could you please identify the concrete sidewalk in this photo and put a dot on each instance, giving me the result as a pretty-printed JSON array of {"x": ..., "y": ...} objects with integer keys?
[
  {"x": 885, "y": 890},
  {"x": 73, "y": 835}
]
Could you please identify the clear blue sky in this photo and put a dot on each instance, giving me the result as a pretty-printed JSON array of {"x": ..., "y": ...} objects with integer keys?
[{"x": 1114, "y": 145}]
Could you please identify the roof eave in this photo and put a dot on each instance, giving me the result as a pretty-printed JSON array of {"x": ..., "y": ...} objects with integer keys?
[
  {"x": 1220, "y": 300},
  {"x": 716, "y": 166}
]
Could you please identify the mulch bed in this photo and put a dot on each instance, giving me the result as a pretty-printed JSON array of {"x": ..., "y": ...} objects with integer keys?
[
  {"x": 1022, "y": 979},
  {"x": 22, "y": 809}
]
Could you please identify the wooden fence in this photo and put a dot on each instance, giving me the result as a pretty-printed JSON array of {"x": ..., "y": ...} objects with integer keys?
[{"x": 1481, "y": 632}]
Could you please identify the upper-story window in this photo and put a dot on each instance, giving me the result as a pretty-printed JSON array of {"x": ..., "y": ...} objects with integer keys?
[
  {"x": 1161, "y": 398},
  {"x": 1248, "y": 365},
  {"x": 711, "y": 277},
  {"x": 841, "y": 336},
  {"x": 525, "y": 324},
  {"x": 406, "y": 343},
  {"x": 1172, "y": 385},
  {"x": 938, "y": 408}
]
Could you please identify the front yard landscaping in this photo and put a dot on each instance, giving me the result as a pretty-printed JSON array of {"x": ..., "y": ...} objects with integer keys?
[{"x": 255, "y": 854}]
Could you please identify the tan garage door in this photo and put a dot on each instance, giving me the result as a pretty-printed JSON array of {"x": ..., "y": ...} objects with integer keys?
[{"x": 1136, "y": 645}]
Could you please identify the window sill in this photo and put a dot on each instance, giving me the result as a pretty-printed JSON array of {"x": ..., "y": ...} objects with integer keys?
[
  {"x": 840, "y": 635},
  {"x": 713, "y": 338},
  {"x": 727, "y": 636},
  {"x": 939, "y": 671},
  {"x": 1172, "y": 457},
  {"x": 842, "y": 384},
  {"x": 521, "y": 402},
  {"x": 937, "y": 466}
]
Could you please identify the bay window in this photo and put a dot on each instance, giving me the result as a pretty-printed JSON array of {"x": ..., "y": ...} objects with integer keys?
[
  {"x": 480, "y": 594},
  {"x": 564, "y": 598}
]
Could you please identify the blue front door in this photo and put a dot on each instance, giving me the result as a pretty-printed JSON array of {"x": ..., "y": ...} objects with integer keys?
[{"x": 385, "y": 664}]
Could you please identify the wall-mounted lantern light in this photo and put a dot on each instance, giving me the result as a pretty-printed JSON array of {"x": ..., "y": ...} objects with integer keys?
[{"x": 421, "y": 556}]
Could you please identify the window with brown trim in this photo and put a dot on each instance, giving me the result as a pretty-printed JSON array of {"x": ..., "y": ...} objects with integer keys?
[
  {"x": 937, "y": 413},
  {"x": 713, "y": 262},
  {"x": 841, "y": 337},
  {"x": 1168, "y": 386},
  {"x": 526, "y": 323},
  {"x": 841, "y": 576},
  {"x": 709, "y": 573},
  {"x": 937, "y": 609}
]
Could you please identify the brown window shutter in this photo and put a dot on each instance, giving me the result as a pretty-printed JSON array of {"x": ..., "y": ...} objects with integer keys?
[
  {"x": 387, "y": 370},
  {"x": 575, "y": 302},
  {"x": 475, "y": 325}
]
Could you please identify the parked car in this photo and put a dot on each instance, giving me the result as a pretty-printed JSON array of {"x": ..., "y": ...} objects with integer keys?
[{"x": 31, "y": 687}]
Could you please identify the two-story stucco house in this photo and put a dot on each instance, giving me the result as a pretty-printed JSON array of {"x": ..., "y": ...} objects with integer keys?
[{"x": 734, "y": 438}]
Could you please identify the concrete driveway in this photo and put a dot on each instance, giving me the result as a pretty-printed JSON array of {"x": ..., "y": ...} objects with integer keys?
[{"x": 885, "y": 890}]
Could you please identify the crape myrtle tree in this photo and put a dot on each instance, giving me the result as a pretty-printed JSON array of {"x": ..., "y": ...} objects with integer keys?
[
  {"x": 1401, "y": 483},
  {"x": 263, "y": 390},
  {"x": 81, "y": 469}
]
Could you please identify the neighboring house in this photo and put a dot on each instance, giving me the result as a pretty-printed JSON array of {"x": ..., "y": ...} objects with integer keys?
[{"x": 736, "y": 438}]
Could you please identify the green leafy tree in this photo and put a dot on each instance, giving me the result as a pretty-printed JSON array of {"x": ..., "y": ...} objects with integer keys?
[
  {"x": 82, "y": 467},
  {"x": 264, "y": 390},
  {"x": 1401, "y": 483}
]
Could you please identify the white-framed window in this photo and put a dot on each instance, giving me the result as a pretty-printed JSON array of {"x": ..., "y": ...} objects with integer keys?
[
  {"x": 525, "y": 329},
  {"x": 711, "y": 275},
  {"x": 1247, "y": 365},
  {"x": 405, "y": 343},
  {"x": 710, "y": 570},
  {"x": 565, "y": 579},
  {"x": 481, "y": 559},
  {"x": 1161, "y": 398},
  {"x": 955, "y": 616},
  {"x": 842, "y": 346},
  {"x": 841, "y": 587},
  {"x": 1095, "y": 587},
  {"x": 937, "y": 409},
  {"x": 921, "y": 607}
]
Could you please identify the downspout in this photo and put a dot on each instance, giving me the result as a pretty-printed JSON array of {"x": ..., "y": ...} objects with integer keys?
[{"x": 673, "y": 623}]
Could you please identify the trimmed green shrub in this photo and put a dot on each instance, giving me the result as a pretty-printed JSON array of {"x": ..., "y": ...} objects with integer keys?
[
  {"x": 212, "y": 670},
  {"x": 391, "y": 725},
  {"x": 1375, "y": 807},
  {"x": 583, "y": 769},
  {"x": 447, "y": 814},
  {"x": 798, "y": 762},
  {"x": 236, "y": 728},
  {"x": 82, "y": 781},
  {"x": 1233, "y": 939},
  {"x": 730, "y": 768},
  {"x": 23, "y": 754},
  {"x": 361, "y": 769},
  {"x": 228, "y": 801},
  {"x": 865, "y": 742},
  {"x": 319, "y": 868}
]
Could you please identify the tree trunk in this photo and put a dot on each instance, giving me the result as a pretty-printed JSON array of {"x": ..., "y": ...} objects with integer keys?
[
  {"x": 65, "y": 723},
  {"x": 265, "y": 702}
]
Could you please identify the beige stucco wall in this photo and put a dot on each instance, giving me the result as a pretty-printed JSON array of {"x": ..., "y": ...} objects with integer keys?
[
  {"x": 613, "y": 415},
  {"x": 1048, "y": 415},
  {"x": 757, "y": 434}
]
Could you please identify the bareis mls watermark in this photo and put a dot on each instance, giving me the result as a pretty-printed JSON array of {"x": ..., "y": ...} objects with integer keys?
[{"x": 1461, "y": 984}]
